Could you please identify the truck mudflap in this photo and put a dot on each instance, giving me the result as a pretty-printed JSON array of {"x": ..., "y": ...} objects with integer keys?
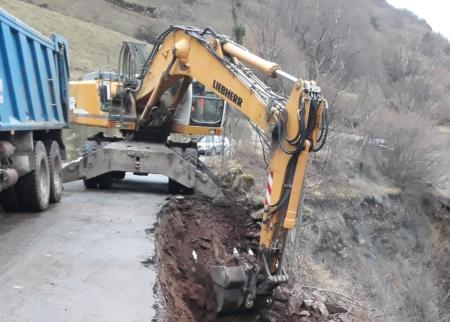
[{"x": 140, "y": 157}]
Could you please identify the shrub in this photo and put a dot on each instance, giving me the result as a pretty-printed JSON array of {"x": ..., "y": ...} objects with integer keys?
[
  {"x": 404, "y": 148},
  {"x": 147, "y": 34}
]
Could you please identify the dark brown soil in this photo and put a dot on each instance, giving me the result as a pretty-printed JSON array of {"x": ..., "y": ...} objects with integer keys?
[
  {"x": 212, "y": 231},
  {"x": 189, "y": 225}
]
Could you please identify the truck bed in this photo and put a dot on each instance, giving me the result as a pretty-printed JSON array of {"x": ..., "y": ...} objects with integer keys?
[{"x": 34, "y": 78}]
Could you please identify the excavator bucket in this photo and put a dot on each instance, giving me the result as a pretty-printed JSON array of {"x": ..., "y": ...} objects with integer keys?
[{"x": 230, "y": 285}]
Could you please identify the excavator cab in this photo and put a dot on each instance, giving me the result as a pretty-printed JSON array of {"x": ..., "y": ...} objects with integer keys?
[
  {"x": 207, "y": 108},
  {"x": 201, "y": 112},
  {"x": 102, "y": 99}
]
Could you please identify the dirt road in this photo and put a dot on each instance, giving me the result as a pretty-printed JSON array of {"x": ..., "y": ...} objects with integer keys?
[{"x": 81, "y": 259}]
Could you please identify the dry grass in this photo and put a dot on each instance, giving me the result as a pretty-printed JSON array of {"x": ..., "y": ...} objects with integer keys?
[
  {"x": 91, "y": 47},
  {"x": 100, "y": 12},
  {"x": 214, "y": 13}
]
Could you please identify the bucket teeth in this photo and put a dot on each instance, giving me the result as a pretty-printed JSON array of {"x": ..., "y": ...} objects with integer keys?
[{"x": 229, "y": 286}]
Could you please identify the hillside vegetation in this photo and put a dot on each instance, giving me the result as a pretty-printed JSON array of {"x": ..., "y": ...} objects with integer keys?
[
  {"x": 376, "y": 219},
  {"x": 91, "y": 46}
]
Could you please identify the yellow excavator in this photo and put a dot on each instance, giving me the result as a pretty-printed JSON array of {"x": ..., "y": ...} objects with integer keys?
[{"x": 180, "y": 88}]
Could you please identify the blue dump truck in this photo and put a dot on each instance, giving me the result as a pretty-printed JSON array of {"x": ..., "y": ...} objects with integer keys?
[{"x": 34, "y": 103}]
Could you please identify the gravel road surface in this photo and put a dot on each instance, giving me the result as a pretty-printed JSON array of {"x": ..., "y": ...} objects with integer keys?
[{"x": 82, "y": 259}]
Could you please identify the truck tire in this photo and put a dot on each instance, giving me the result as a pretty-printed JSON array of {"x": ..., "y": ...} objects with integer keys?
[
  {"x": 34, "y": 187},
  {"x": 178, "y": 150},
  {"x": 88, "y": 148},
  {"x": 9, "y": 200},
  {"x": 119, "y": 175},
  {"x": 105, "y": 181},
  {"x": 176, "y": 188},
  {"x": 191, "y": 155},
  {"x": 55, "y": 167}
]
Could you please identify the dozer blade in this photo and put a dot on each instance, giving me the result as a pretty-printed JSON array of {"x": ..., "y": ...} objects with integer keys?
[{"x": 230, "y": 285}]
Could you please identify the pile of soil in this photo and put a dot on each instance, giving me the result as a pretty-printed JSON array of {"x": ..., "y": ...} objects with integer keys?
[{"x": 194, "y": 234}]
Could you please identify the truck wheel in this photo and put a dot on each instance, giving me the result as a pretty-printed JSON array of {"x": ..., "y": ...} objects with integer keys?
[
  {"x": 88, "y": 148},
  {"x": 34, "y": 187},
  {"x": 9, "y": 200},
  {"x": 55, "y": 167},
  {"x": 178, "y": 150},
  {"x": 119, "y": 175},
  {"x": 191, "y": 155},
  {"x": 105, "y": 181},
  {"x": 91, "y": 183},
  {"x": 175, "y": 188}
]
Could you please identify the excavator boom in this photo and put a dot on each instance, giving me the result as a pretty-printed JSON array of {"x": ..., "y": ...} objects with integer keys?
[{"x": 296, "y": 126}]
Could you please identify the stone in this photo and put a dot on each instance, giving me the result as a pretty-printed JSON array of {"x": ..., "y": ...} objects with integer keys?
[
  {"x": 344, "y": 318},
  {"x": 252, "y": 233},
  {"x": 323, "y": 310},
  {"x": 257, "y": 215},
  {"x": 307, "y": 304},
  {"x": 334, "y": 308},
  {"x": 282, "y": 294},
  {"x": 236, "y": 184},
  {"x": 247, "y": 181},
  {"x": 203, "y": 244},
  {"x": 305, "y": 296},
  {"x": 307, "y": 210},
  {"x": 258, "y": 202},
  {"x": 294, "y": 305},
  {"x": 315, "y": 307},
  {"x": 319, "y": 297}
]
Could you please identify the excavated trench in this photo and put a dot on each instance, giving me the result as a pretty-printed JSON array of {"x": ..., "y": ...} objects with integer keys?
[{"x": 193, "y": 234}]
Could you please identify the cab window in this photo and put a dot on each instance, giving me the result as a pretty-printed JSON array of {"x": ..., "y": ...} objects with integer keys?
[{"x": 207, "y": 108}]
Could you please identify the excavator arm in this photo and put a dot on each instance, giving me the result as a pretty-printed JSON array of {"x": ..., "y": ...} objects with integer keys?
[{"x": 297, "y": 125}]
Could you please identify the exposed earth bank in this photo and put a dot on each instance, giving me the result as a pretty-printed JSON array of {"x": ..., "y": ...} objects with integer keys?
[{"x": 193, "y": 234}]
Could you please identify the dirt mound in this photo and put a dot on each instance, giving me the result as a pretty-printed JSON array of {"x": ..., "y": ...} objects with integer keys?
[{"x": 194, "y": 234}]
